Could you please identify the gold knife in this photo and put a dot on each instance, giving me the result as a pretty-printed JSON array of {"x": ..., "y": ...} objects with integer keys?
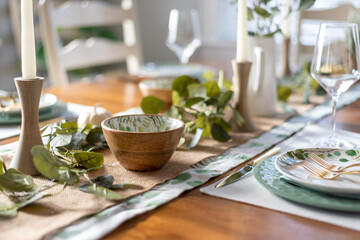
[{"x": 247, "y": 169}]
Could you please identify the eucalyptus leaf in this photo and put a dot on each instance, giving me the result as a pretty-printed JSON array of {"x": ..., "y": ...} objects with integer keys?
[
  {"x": 270, "y": 34},
  {"x": 77, "y": 139},
  {"x": 101, "y": 192},
  {"x": 212, "y": 88},
  {"x": 181, "y": 142},
  {"x": 250, "y": 15},
  {"x": 125, "y": 186},
  {"x": 52, "y": 167},
  {"x": 275, "y": 10},
  {"x": 89, "y": 159},
  {"x": 265, "y": 1},
  {"x": 305, "y": 4},
  {"x": 15, "y": 181},
  {"x": 70, "y": 127},
  {"x": 180, "y": 84},
  {"x": 192, "y": 101},
  {"x": 86, "y": 128},
  {"x": 7, "y": 212},
  {"x": 152, "y": 105},
  {"x": 61, "y": 140},
  {"x": 212, "y": 101},
  {"x": 175, "y": 97},
  {"x": 196, "y": 90},
  {"x": 225, "y": 98},
  {"x": 94, "y": 147},
  {"x": 238, "y": 118},
  {"x": 284, "y": 93},
  {"x": 11, "y": 211},
  {"x": 226, "y": 126},
  {"x": 194, "y": 141},
  {"x": 2, "y": 166},
  {"x": 105, "y": 181},
  {"x": 219, "y": 133},
  {"x": 95, "y": 135},
  {"x": 262, "y": 12}
]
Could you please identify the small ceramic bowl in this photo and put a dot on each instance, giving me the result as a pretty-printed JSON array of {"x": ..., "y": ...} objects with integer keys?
[
  {"x": 160, "y": 88},
  {"x": 143, "y": 142}
]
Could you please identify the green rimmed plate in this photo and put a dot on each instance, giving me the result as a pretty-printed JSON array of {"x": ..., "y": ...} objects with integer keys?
[
  {"x": 267, "y": 175},
  {"x": 54, "y": 111}
]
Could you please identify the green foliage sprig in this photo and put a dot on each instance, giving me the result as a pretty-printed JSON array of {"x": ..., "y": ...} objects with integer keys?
[
  {"x": 68, "y": 156},
  {"x": 267, "y": 14},
  {"x": 200, "y": 105}
]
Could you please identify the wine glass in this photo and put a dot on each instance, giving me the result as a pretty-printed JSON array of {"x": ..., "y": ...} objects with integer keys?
[
  {"x": 184, "y": 35},
  {"x": 335, "y": 66}
]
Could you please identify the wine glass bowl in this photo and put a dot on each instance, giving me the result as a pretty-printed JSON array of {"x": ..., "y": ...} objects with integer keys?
[
  {"x": 184, "y": 35},
  {"x": 335, "y": 66}
]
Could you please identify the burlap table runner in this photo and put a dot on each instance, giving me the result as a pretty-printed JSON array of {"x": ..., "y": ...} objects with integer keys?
[{"x": 48, "y": 214}]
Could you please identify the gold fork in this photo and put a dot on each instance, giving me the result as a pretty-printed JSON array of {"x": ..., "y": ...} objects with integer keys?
[
  {"x": 322, "y": 173},
  {"x": 330, "y": 166}
]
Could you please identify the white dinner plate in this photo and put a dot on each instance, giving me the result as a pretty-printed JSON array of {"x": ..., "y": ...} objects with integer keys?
[
  {"x": 341, "y": 157},
  {"x": 47, "y": 100}
]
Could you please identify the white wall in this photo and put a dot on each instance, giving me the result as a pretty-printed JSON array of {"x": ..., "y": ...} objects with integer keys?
[{"x": 9, "y": 64}]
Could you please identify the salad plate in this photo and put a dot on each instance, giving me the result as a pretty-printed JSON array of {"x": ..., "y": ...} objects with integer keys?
[
  {"x": 289, "y": 164},
  {"x": 12, "y": 106},
  {"x": 268, "y": 176}
]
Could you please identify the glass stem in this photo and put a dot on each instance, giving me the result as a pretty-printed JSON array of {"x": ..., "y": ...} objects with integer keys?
[
  {"x": 333, "y": 115},
  {"x": 184, "y": 59}
]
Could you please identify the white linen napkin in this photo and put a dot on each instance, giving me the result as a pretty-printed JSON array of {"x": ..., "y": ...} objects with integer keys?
[{"x": 248, "y": 190}]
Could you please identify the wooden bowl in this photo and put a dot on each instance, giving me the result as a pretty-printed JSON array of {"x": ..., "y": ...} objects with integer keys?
[
  {"x": 142, "y": 142},
  {"x": 160, "y": 88}
]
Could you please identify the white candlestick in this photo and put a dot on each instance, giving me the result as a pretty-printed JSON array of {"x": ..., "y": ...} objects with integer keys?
[
  {"x": 28, "y": 59},
  {"x": 286, "y": 25},
  {"x": 242, "y": 33}
]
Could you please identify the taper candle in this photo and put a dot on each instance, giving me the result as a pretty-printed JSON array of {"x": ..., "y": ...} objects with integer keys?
[
  {"x": 28, "y": 59},
  {"x": 242, "y": 33},
  {"x": 286, "y": 24}
]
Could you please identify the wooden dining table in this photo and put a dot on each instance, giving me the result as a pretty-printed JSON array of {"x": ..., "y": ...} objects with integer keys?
[{"x": 195, "y": 215}]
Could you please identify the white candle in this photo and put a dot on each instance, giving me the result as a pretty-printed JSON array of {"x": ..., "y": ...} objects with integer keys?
[
  {"x": 28, "y": 59},
  {"x": 242, "y": 33},
  {"x": 286, "y": 25}
]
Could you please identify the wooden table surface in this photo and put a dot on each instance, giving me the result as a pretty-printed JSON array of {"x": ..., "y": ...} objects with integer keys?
[{"x": 198, "y": 216}]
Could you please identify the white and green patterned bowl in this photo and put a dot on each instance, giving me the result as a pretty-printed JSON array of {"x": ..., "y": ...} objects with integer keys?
[{"x": 142, "y": 142}]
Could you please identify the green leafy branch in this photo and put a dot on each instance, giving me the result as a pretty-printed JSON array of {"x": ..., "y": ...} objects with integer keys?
[
  {"x": 200, "y": 105},
  {"x": 267, "y": 14},
  {"x": 68, "y": 156}
]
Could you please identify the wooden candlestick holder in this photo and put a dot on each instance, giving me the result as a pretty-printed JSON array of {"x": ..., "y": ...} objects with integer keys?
[
  {"x": 240, "y": 81},
  {"x": 29, "y": 91},
  {"x": 284, "y": 59}
]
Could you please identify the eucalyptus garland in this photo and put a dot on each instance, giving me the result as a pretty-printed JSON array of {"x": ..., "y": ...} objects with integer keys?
[{"x": 68, "y": 156}]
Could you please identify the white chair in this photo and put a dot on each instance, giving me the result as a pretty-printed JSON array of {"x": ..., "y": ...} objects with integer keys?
[{"x": 83, "y": 53}]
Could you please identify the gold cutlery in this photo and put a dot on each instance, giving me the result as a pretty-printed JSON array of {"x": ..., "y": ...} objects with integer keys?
[
  {"x": 322, "y": 173},
  {"x": 329, "y": 166}
]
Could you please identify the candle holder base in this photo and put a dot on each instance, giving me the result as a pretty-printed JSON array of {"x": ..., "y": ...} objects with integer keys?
[
  {"x": 240, "y": 81},
  {"x": 29, "y": 91}
]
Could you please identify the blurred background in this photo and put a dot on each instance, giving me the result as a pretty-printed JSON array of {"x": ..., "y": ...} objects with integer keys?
[{"x": 218, "y": 25}]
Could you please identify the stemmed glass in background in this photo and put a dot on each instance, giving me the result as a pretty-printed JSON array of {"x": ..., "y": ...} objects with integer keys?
[
  {"x": 335, "y": 66},
  {"x": 184, "y": 35}
]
